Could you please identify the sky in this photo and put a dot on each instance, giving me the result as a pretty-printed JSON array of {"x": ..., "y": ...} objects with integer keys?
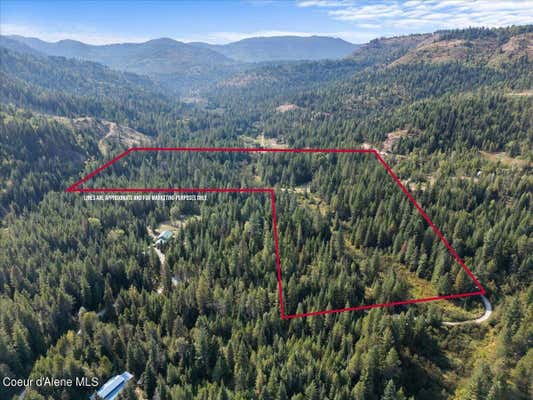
[{"x": 223, "y": 21}]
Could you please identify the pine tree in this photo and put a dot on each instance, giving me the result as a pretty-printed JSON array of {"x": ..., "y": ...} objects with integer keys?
[
  {"x": 203, "y": 294},
  {"x": 108, "y": 299},
  {"x": 128, "y": 393},
  {"x": 496, "y": 391},
  {"x": 462, "y": 282},
  {"x": 444, "y": 284},
  {"x": 282, "y": 392},
  {"x": 392, "y": 364},
  {"x": 364, "y": 388},
  {"x": 311, "y": 392},
  {"x": 219, "y": 369},
  {"x": 440, "y": 268},
  {"x": 480, "y": 383},
  {"x": 149, "y": 379},
  {"x": 390, "y": 391},
  {"x": 22, "y": 346}
]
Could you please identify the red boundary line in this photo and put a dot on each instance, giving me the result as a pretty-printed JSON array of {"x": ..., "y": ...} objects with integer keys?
[{"x": 75, "y": 188}]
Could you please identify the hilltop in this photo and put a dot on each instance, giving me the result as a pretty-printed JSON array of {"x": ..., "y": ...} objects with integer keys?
[{"x": 284, "y": 48}]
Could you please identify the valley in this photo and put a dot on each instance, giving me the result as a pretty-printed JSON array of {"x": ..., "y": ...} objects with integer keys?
[{"x": 84, "y": 291}]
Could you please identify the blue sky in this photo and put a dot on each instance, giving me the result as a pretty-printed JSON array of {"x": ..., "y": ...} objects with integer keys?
[{"x": 222, "y": 21}]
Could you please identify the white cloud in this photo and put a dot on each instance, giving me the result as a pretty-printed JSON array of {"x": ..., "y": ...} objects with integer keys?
[
  {"x": 324, "y": 3},
  {"x": 430, "y": 14}
]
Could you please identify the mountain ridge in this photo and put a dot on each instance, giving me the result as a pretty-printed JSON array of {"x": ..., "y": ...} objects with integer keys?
[
  {"x": 283, "y": 48},
  {"x": 156, "y": 56},
  {"x": 255, "y": 49}
]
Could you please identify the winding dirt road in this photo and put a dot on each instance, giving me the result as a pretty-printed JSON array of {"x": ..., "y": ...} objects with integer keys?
[
  {"x": 483, "y": 318},
  {"x": 159, "y": 253},
  {"x": 162, "y": 258}
]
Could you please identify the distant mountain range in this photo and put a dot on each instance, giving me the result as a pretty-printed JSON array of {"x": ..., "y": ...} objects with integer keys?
[
  {"x": 167, "y": 56},
  {"x": 286, "y": 48},
  {"x": 188, "y": 68},
  {"x": 158, "y": 56}
]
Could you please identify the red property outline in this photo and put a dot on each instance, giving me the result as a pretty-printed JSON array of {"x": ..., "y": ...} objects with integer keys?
[{"x": 75, "y": 188}]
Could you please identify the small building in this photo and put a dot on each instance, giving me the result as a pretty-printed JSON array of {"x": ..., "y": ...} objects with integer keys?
[
  {"x": 163, "y": 238},
  {"x": 112, "y": 387},
  {"x": 165, "y": 235}
]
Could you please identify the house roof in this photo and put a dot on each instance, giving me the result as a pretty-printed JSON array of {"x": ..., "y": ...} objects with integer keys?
[
  {"x": 112, "y": 387},
  {"x": 165, "y": 235}
]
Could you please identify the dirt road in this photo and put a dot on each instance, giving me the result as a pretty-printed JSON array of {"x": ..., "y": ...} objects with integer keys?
[
  {"x": 159, "y": 253},
  {"x": 483, "y": 318}
]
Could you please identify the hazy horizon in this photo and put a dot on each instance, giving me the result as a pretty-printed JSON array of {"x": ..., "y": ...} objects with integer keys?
[
  {"x": 180, "y": 41},
  {"x": 212, "y": 22}
]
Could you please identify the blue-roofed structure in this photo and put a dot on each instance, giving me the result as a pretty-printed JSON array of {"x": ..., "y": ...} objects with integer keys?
[
  {"x": 165, "y": 235},
  {"x": 113, "y": 387},
  {"x": 163, "y": 238}
]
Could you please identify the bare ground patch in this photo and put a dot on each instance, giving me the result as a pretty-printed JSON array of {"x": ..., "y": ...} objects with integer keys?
[
  {"x": 505, "y": 159},
  {"x": 110, "y": 134},
  {"x": 175, "y": 225},
  {"x": 525, "y": 93},
  {"x": 393, "y": 138},
  {"x": 516, "y": 47},
  {"x": 264, "y": 142},
  {"x": 287, "y": 107}
]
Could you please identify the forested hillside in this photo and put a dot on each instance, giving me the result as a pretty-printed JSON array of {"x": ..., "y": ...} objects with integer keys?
[
  {"x": 158, "y": 56},
  {"x": 38, "y": 155},
  {"x": 84, "y": 293},
  {"x": 185, "y": 68},
  {"x": 283, "y": 48}
]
